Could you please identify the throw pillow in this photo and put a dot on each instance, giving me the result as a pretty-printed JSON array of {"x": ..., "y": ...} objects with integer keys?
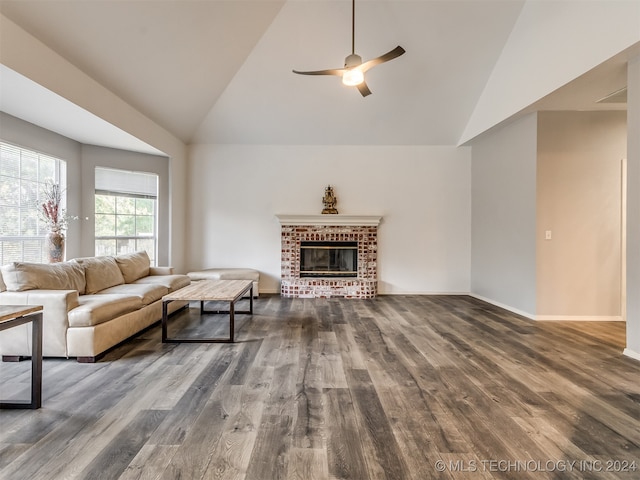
[
  {"x": 133, "y": 265},
  {"x": 100, "y": 273},
  {"x": 21, "y": 276}
]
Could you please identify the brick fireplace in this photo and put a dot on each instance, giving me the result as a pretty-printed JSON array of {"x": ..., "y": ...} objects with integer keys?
[{"x": 341, "y": 229}]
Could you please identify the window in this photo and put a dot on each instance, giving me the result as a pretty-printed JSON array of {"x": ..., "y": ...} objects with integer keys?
[
  {"x": 125, "y": 212},
  {"x": 23, "y": 173}
]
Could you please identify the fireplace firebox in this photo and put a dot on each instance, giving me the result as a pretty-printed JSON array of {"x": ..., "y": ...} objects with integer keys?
[{"x": 329, "y": 259}]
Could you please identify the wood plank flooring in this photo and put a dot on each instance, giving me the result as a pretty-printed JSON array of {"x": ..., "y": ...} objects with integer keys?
[{"x": 399, "y": 387}]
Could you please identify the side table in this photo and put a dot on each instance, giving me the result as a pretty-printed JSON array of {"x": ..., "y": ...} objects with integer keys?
[{"x": 12, "y": 316}]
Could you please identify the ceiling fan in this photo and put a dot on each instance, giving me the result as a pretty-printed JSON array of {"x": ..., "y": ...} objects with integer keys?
[{"x": 353, "y": 72}]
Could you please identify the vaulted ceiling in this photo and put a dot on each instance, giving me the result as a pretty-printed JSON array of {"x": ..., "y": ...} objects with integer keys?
[{"x": 213, "y": 71}]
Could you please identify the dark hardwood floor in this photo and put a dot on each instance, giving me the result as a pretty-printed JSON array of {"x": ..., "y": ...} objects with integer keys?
[{"x": 400, "y": 387}]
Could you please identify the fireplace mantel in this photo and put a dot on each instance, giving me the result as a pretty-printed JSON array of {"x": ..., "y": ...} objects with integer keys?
[{"x": 334, "y": 220}]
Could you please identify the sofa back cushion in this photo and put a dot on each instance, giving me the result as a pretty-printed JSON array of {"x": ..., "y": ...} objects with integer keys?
[
  {"x": 133, "y": 266},
  {"x": 21, "y": 276},
  {"x": 100, "y": 273}
]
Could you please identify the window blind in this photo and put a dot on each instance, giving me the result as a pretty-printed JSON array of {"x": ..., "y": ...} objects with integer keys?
[{"x": 126, "y": 182}]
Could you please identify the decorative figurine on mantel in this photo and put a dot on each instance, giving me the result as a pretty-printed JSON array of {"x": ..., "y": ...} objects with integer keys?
[{"x": 329, "y": 201}]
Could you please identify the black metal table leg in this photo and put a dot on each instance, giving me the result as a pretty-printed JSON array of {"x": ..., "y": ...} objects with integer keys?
[
  {"x": 165, "y": 318},
  {"x": 36, "y": 361},
  {"x": 232, "y": 305}
]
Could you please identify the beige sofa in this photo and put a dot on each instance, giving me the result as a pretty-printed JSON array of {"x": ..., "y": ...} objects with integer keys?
[{"x": 90, "y": 304}]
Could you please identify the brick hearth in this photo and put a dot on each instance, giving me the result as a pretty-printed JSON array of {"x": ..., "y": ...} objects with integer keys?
[{"x": 329, "y": 228}]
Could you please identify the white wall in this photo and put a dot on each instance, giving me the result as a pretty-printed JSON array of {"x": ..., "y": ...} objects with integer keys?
[
  {"x": 552, "y": 43},
  {"x": 81, "y": 161},
  {"x": 423, "y": 193},
  {"x": 93, "y": 157},
  {"x": 28, "y": 56},
  {"x": 24, "y": 134},
  {"x": 633, "y": 209},
  {"x": 580, "y": 202},
  {"x": 503, "y": 186}
]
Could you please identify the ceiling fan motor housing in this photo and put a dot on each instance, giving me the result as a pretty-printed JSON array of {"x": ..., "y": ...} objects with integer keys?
[{"x": 352, "y": 60}]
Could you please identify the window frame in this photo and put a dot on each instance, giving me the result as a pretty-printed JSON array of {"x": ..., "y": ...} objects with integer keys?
[
  {"x": 28, "y": 208},
  {"x": 117, "y": 194}
]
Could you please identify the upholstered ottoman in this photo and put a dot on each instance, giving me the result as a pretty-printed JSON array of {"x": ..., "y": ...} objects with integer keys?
[{"x": 228, "y": 274}]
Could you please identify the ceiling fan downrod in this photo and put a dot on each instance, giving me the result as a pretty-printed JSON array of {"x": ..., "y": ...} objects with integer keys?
[{"x": 353, "y": 27}]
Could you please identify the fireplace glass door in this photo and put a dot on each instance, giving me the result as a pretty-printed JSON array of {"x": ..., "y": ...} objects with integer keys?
[{"x": 329, "y": 259}]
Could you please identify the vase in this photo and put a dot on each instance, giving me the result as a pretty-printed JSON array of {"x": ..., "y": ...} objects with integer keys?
[{"x": 54, "y": 244}]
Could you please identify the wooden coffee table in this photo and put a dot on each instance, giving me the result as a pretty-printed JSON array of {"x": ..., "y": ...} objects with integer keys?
[
  {"x": 12, "y": 316},
  {"x": 209, "y": 291}
]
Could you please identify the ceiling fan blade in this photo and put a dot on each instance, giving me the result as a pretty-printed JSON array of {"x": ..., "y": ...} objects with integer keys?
[
  {"x": 396, "y": 52},
  {"x": 364, "y": 89},
  {"x": 335, "y": 71}
]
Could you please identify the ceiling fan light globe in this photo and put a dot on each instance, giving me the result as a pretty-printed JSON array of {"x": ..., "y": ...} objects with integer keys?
[{"x": 352, "y": 77}]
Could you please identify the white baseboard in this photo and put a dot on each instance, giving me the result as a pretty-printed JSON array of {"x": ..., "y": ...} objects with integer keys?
[
  {"x": 395, "y": 293},
  {"x": 530, "y": 316},
  {"x": 580, "y": 318},
  {"x": 630, "y": 353},
  {"x": 548, "y": 318},
  {"x": 422, "y": 293},
  {"x": 505, "y": 307}
]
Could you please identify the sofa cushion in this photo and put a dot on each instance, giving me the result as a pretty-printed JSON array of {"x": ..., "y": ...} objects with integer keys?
[
  {"x": 100, "y": 273},
  {"x": 21, "y": 276},
  {"x": 133, "y": 265},
  {"x": 96, "y": 309},
  {"x": 147, "y": 293},
  {"x": 171, "y": 282}
]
